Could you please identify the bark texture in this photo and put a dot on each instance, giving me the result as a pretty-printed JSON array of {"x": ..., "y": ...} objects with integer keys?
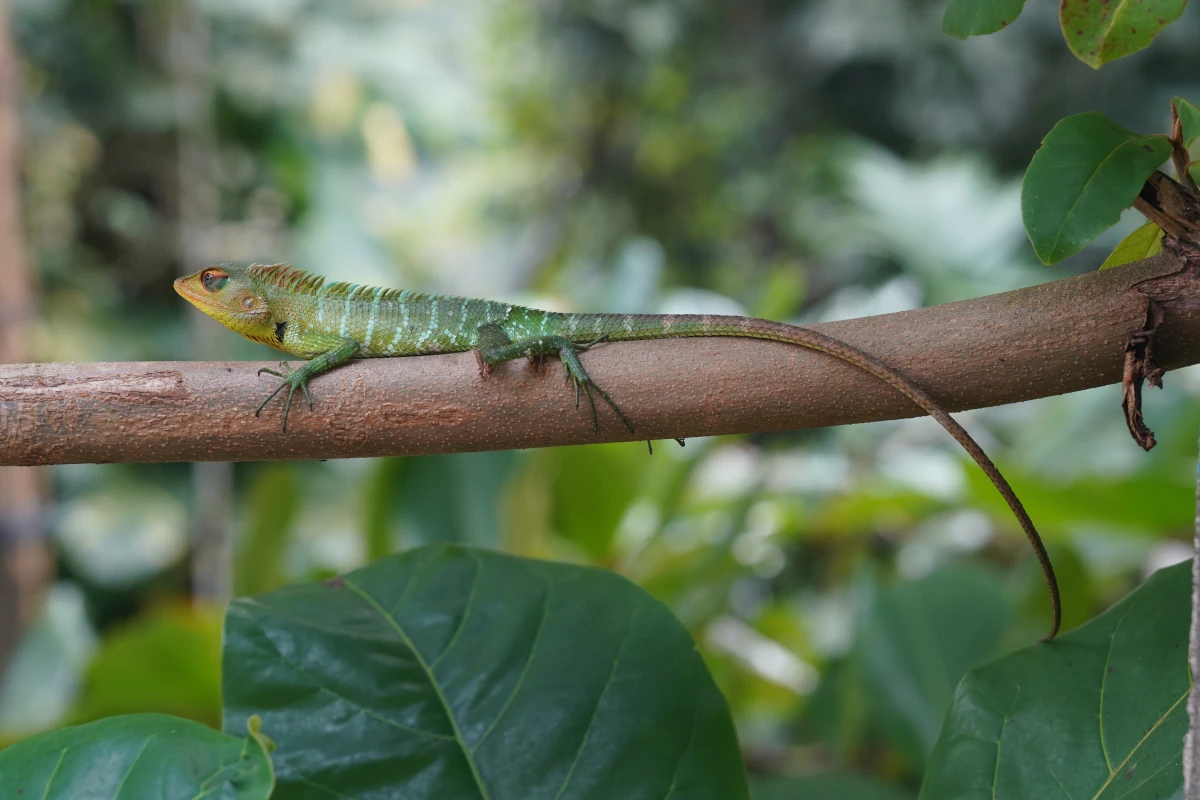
[{"x": 1045, "y": 340}]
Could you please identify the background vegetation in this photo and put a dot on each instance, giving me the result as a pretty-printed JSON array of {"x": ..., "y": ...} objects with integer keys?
[{"x": 793, "y": 160}]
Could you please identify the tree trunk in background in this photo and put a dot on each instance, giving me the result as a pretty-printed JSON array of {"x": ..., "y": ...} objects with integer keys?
[
  {"x": 212, "y": 482},
  {"x": 24, "y": 555}
]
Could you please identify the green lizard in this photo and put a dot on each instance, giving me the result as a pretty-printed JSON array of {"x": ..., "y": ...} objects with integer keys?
[{"x": 329, "y": 324}]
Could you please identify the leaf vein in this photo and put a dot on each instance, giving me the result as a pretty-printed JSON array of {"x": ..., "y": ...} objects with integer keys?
[
  {"x": 395, "y": 624},
  {"x": 462, "y": 622},
  {"x": 537, "y": 636},
  {"x": 599, "y": 702},
  {"x": 1141, "y": 741},
  {"x": 361, "y": 708}
]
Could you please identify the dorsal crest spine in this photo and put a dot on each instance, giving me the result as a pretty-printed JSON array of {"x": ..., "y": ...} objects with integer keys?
[{"x": 290, "y": 279}]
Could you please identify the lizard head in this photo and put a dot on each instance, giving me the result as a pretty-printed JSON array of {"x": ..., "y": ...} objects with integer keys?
[{"x": 232, "y": 297}]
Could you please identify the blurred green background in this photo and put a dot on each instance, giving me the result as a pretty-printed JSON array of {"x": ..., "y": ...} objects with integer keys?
[{"x": 804, "y": 160}]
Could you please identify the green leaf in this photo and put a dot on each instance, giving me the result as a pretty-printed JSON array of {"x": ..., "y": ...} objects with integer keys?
[
  {"x": 1088, "y": 170},
  {"x": 1099, "y": 712},
  {"x": 1099, "y": 32},
  {"x": 917, "y": 639},
  {"x": 168, "y": 661},
  {"x": 1142, "y": 243},
  {"x": 612, "y": 475},
  {"x": 965, "y": 18},
  {"x": 455, "y": 673},
  {"x": 453, "y": 498},
  {"x": 1145, "y": 503},
  {"x": 1189, "y": 117},
  {"x": 274, "y": 504},
  {"x": 140, "y": 755}
]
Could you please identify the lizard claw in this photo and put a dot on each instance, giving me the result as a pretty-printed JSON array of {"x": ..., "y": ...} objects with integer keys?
[{"x": 292, "y": 380}]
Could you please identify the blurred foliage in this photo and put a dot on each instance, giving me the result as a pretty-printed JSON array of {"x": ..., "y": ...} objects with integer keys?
[
  {"x": 167, "y": 661},
  {"x": 802, "y": 160}
]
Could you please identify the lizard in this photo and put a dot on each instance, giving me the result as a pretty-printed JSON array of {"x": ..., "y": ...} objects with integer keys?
[{"x": 330, "y": 323}]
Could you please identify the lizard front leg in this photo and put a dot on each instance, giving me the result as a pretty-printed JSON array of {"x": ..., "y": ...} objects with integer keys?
[
  {"x": 298, "y": 379},
  {"x": 496, "y": 347}
]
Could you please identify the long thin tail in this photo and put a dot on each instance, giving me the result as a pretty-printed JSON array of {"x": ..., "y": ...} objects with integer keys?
[{"x": 628, "y": 327}]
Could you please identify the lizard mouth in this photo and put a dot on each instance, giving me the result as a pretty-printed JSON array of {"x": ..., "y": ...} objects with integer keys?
[{"x": 187, "y": 290}]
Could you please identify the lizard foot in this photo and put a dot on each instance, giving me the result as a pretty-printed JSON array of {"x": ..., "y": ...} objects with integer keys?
[
  {"x": 292, "y": 380},
  {"x": 577, "y": 375}
]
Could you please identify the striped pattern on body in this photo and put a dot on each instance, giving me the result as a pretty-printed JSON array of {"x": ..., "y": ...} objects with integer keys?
[{"x": 313, "y": 319}]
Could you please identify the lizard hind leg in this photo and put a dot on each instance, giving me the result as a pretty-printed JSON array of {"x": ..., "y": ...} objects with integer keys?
[
  {"x": 569, "y": 355},
  {"x": 496, "y": 347}
]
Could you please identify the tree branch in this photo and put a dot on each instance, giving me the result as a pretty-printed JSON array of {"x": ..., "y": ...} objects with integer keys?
[{"x": 1046, "y": 340}]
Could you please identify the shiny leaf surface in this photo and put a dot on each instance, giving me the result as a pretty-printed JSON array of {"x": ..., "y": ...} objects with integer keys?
[
  {"x": 1088, "y": 170},
  {"x": 454, "y": 673},
  {"x": 1099, "y": 713},
  {"x": 139, "y": 755}
]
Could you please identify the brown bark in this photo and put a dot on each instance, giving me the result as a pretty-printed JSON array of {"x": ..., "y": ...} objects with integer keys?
[
  {"x": 24, "y": 560},
  {"x": 1046, "y": 340}
]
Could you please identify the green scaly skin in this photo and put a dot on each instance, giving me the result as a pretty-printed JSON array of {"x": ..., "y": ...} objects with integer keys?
[{"x": 329, "y": 324}]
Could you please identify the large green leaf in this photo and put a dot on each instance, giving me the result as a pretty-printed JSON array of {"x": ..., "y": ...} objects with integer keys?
[
  {"x": 455, "y": 673},
  {"x": 1142, "y": 243},
  {"x": 1088, "y": 170},
  {"x": 965, "y": 18},
  {"x": 137, "y": 756},
  {"x": 1098, "y": 32},
  {"x": 1098, "y": 713}
]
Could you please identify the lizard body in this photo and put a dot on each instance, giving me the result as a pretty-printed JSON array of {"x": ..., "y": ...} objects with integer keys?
[{"x": 330, "y": 323}]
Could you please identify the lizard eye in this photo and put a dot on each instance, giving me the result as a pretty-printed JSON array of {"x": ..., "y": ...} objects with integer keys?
[
  {"x": 249, "y": 303},
  {"x": 214, "y": 280}
]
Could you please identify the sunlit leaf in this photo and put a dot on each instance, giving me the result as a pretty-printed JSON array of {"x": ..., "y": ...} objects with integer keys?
[
  {"x": 140, "y": 755},
  {"x": 1087, "y": 171},
  {"x": 1189, "y": 118},
  {"x": 1142, "y": 243},
  {"x": 455, "y": 673},
  {"x": 965, "y": 18},
  {"x": 1099, "y": 32},
  {"x": 168, "y": 661},
  {"x": 1100, "y": 712},
  {"x": 593, "y": 487}
]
